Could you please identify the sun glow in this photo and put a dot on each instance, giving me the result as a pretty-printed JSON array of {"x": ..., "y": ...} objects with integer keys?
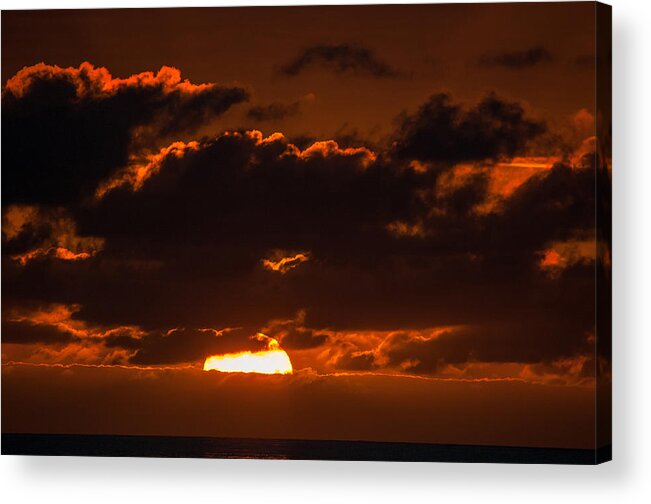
[{"x": 270, "y": 361}]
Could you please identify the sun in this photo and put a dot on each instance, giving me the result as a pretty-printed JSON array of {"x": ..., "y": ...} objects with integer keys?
[{"x": 270, "y": 361}]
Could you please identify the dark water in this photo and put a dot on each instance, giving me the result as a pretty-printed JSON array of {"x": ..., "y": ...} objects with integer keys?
[{"x": 208, "y": 447}]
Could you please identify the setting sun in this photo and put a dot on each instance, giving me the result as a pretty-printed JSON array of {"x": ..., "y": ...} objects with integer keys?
[{"x": 271, "y": 361}]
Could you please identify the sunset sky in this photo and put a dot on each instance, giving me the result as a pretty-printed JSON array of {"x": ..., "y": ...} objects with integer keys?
[{"x": 401, "y": 199}]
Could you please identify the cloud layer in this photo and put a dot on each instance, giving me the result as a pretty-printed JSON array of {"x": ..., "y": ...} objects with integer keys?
[
  {"x": 65, "y": 129},
  {"x": 453, "y": 251}
]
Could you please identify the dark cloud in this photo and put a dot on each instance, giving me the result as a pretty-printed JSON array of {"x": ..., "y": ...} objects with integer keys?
[
  {"x": 546, "y": 341},
  {"x": 461, "y": 201},
  {"x": 559, "y": 201},
  {"x": 190, "y": 345},
  {"x": 355, "y": 360},
  {"x": 444, "y": 132},
  {"x": 293, "y": 335},
  {"x": 274, "y": 111},
  {"x": 301, "y": 339},
  {"x": 258, "y": 195},
  {"x": 341, "y": 59},
  {"x": 122, "y": 339},
  {"x": 27, "y": 332},
  {"x": 66, "y": 129},
  {"x": 39, "y": 233},
  {"x": 256, "y": 192},
  {"x": 516, "y": 60}
]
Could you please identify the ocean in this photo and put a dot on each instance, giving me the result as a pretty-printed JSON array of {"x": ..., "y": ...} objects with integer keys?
[{"x": 288, "y": 449}]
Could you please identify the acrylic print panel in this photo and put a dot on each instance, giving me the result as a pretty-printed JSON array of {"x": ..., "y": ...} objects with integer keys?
[{"x": 286, "y": 233}]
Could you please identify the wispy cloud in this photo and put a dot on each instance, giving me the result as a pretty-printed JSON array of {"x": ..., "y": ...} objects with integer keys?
[{"x": 341, "y": 59}]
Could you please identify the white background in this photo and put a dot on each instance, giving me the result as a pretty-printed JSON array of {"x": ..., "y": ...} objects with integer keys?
[{"x": 625, "y": 480}]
